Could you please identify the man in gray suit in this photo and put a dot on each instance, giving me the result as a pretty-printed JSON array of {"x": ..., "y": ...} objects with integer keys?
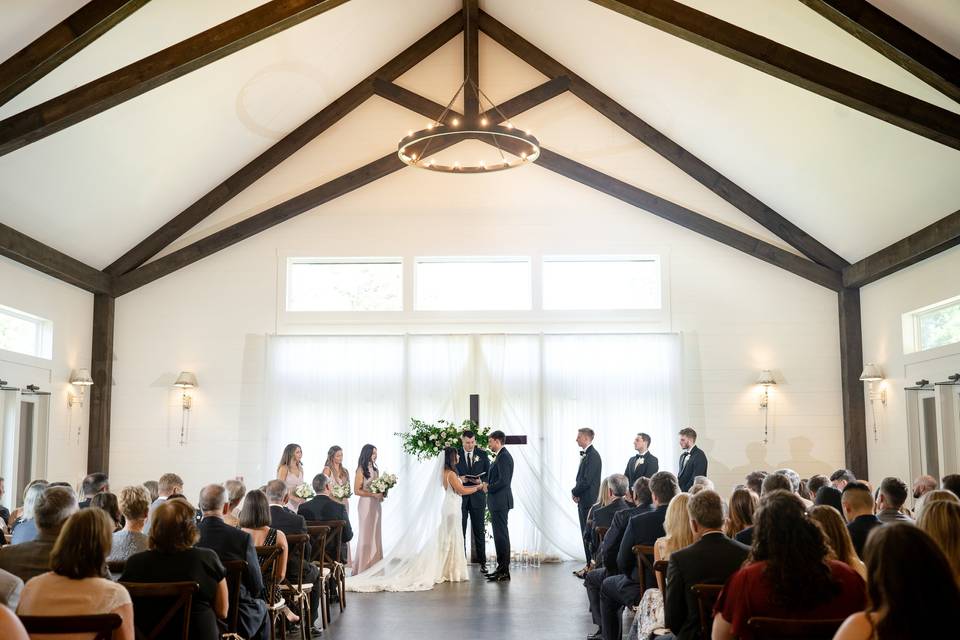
[
  {"x": 30, "y": 559},
  {"x": 10, "y": 588}
]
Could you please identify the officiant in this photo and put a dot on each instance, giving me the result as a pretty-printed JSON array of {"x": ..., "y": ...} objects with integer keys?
[
  {"x": 472, "y": 469},
  {"x": 644, "y": 464}
]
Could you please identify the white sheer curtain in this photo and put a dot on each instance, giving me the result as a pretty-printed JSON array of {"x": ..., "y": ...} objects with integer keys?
[{"x": 350, "y": 390}]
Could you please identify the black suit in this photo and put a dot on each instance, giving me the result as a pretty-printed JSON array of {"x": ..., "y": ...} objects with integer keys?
[
  {"x": 321, "y": 508},
  {"x": 860, "y": 528},
  {"x": 499, "y": 503},
  {"x": 694, "y": 464},
  {"x": 606, "y": 555},
  {"x": 602, "y": 517},
  {"x": 710, "y": 560},
  {"x": 587, "y": 488},
  {"x": 231, "y": 543},
  {"x": 475, "y": 504},
  {"x": 291, "y": 523},
  {"x": 745, "y": 536},
  {"x": 636, "y": 469}
]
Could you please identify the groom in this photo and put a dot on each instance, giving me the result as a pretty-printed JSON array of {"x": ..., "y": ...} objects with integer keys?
[
  {"x": 474, "y": 463},
  {"x": 499, "y": 503}
]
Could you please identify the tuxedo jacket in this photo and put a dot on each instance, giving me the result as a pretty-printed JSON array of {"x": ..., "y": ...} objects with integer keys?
[
  {"x": 860, "y": 528},
  {"x": 642, "y": 529},
  {"x": 645, "y": 469},
  {"x": 481, "y": 464},
  {"x": 499, "y": 494},
  {"x": 610, "y": 547},
  {"x": 320, "y": 508},
  {"x": 696, "y": 465},
  {"x": 231, "y": 543},
  {"x": 588, "y": 477},
  {"x": 291, "y": 523},
  {"x": 710, "y": 560}
]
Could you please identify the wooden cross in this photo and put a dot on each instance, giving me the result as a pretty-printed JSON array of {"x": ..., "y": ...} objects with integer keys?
[{"x": 475, "y": 419}]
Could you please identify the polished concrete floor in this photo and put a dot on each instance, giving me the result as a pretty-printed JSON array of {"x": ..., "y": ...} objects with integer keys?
[{"x": 548, "y": 602}]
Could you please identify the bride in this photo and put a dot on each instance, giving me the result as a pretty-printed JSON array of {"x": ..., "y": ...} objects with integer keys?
[{"x": 412, "y": 566}]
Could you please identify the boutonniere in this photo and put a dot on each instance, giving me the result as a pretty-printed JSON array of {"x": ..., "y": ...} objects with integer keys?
[{"x": 640, "y": 460}]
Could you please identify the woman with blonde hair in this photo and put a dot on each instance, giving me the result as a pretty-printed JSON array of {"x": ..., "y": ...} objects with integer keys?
[
  {"x": 134, "y": 505},
  {"x": 833, "y": 526},
  {"x": 589, "y": 533},
  {"x": 937, "y": 495},
  {"x": 941, "y": 520},
  {"x": 743, "y": 504}
]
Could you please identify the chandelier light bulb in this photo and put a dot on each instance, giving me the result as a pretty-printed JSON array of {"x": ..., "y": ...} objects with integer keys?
[
  {"x": 409, "y": 133},
  {"x": 455, "y": 121},
  {"x": 430, "y": 125},
  {"x": 483, "y": 122},
  {"x": 523, "y": 155},
  {"x": 413, "y": 157},
  {"x": 509, "y": 125}
]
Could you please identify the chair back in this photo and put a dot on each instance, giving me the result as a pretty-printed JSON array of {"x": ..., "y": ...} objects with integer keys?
[
  {"x": 707, "y": 595},
  {"x": 644, "y": 553},
  {"x": 777, "y": 628},
  {"x": 660, "y": 570},
  {"x": 269, "y": 558},
  {"x": 335, "y": 534},
  {"x": 235, "y": 570},
  {"x": 319, "y": 535},
  {"x": 116, "y": 567},
  {"x": 297, "y": 544},
  {"x": 160, "y": 607},
  {"x": 102, "y": 625}
]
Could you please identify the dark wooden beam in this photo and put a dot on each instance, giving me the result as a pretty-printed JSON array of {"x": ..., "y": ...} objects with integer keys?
[
  {"x": 157, "y": 69},
  {"x": 894, "y": 40},
  {"x": 60, "y": 43},
  {"x": 528, "y": 99},
  {"x": 795, "y": 67},
  {"x": 471, "y": 58},
  {"x": 851, "y": 388},
  {"x": 412, "y": 101},
  {"x": 25, "y": 250},
  {"x": 101, "y": 370},
  {"x": 929, "y": 241},
  {"x": 670, "y": 150},
  {"x": 283, "y": 149}
]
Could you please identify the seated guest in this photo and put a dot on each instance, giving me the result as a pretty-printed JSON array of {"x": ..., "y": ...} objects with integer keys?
[
  {"x": 951, "y": 483},
  {"x": 743, "y": 504},
  {"x": 794, "y": 478},
  {"x": 289, "y": 522},
  {"x": 838, "y": 537},
  {"x": 710, "y": 560},
  {"x": 858, "y": 510},
  {"x": 773, "y": 482},
  {"x": 923, "y": 485},
  {"x": 92, "y": 485},
  {"x": 235, "y": 492},
  {"x": 25, "y": 528},
  {"x": 804, "y": 491},
  {"x": 602, "y": 516},
  {"x": 623, "y": 590},
  {"x": 890, "y": 498},
  {"x": 152, "y": 490},
  {"x": 323, "y": 507},
  {"x": 841, "y": 477},
  {"x": 109, "y": 503},
  {"x": 74, "y": 585},
  {"x": 173, "y": 558},
  {"x": 936, "y": 495},
  {"x": 10, "y": 588},
  {"x": 754, "y": 481},
  {"x": 231, "y": 543},
  {"x": 830, "y": 496},
  {"x": 911, "y": 589},
  {"x": 29, "y": 559},
  {"x": 16, "y": 517},
  {"x": 10, "y": 626},
  {"x": 170, "y": 485},
  {"x": 587, "y": 533},
  {"x": 701, "y": 483},
  {"x": 789, "y": 574},
  {"x": 134, "y": 503},
  {"x": 814, "y": 484},
  {"x": 255, "y": 520},
  {"x": 941, "y": 521}
]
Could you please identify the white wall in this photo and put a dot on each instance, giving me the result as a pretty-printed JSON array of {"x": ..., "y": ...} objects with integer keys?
[
  {"x": 882, "y": 305},
  {"x": 71, "y": 311}
]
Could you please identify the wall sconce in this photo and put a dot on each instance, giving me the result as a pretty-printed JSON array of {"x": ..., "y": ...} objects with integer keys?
[
  {"x": 766, "y": 380},
  {"x": 185, "y": 382},
  {"x": 79, "y": 378},
  {"x": 871, "y": 374}
]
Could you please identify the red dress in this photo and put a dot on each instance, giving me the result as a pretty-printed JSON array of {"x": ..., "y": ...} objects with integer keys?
[{"x": 747, "y": 594}]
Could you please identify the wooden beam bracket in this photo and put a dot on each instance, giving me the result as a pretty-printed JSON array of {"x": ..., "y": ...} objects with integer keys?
[{"x": 25, "y": 250}]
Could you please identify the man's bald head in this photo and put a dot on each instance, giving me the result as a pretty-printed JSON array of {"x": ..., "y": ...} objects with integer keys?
[{"x": 213, "y": 498}]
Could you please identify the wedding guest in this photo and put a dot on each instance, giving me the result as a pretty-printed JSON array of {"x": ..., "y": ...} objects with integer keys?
[
  {"x": 743, "y": 504},
  {"x": 789, "y": 574},
  {"x": 10, "y": 589},
  {"x": 773, "y": 482},
  {"x": 911, "y": 592},
  {"x": 603, "y": 499},
  {"x": 891, "y": 497},
  {"x": 693, "y": 461},
  {"x": 170, "y": 484},
  {"x": 701, "y": 483},
  {"x": 833, "y": 526},
  {"x": 255, "y": 520},
  {"x": 644, "y": 464},
  {"x": 290, "y": 523},
  {"x": 829, "y": 496},
  {"x": 923, "y": 484},
  {"x": 131, "y": 539},
  {"x": 4, "y": 512},
  {"x": 152, "y": 487},
  {"x": 290, "y": 469},
  {"x": 857, "y": 505},
  {"x": 930, "y": 497},
  {"x": 333, "y": 468},
  {"x": 814, "y": 484},
  {"x": 754, "y": 481},
  {"x": 323, "y": 507},
  {"x": 92, "y": 485},
  {"x": 841, "y": 477},
  {"x": 25, "y": 529},
  {"x": 74, "y": 586},
  {"x": 587, "y": 486},
  {"x": 369, "y": 544},
  {"x": 230, "y": 543},
  {"x": 951, "y": 483},
  {"x": 108, "y": 503},
  {"x": 10, "y": 626},
  {"x": 29, "y": 559},
  {"x": 941, "y": 521},
  {"x": 16, "y": 516},
  {"x": 794, "y": 478},
  {"x": 172, "y": 557},
  {"x": 235, "y": 492},
  {"x": 711, "y": 559},
  {"x": 614, "y": 490}
]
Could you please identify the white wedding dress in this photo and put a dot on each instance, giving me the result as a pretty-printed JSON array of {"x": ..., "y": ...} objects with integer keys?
[{"x": 441, "y": 558}]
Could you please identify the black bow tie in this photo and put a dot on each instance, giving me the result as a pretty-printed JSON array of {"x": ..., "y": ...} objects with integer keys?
[{"x": 583, "y": 453}]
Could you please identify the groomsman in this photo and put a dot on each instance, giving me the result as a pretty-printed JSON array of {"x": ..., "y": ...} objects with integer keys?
[
  {"x": 587, "y": 489},
  {"x": 644, "y": 464},
  {"x": 474, "y": 462},
  {"x": 500, "y": 498},
  {"x": 693, "y": 461}
]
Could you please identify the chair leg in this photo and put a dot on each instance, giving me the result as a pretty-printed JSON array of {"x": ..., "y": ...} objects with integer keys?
[
  {"x": 306, "y": 622},
  {"x": 325, "y": 603}
]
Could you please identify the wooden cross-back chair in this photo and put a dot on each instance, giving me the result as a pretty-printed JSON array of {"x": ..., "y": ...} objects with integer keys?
[
  {"x": 235, "y": 570},
  {"x": 318, "y": 536},
  {"x": 293, "y": 587},
  {"x": 660, "y": 571},
  {"x": 269, "y": 558},
  {"x": 335, "y": 563},
  {"x": 101, "y": 625},
  {"x": 644, "y": 554},
  {"x": 179, "y": 599},
  {"x": 707, "y": 595}
]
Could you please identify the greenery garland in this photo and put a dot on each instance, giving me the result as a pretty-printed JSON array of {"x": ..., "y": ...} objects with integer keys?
[{"x": 425, "y": 440}]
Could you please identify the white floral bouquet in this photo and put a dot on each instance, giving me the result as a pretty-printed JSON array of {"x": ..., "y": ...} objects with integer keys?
[
  {"x": 384, "y": 483},
  {"x": 304, "y": 491},
  {"x": 341, "y": 491},
  {"x": 427, "y": 441}
]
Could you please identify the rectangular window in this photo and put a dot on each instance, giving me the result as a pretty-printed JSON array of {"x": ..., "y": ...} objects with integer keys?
[
  {"x": 473, "y": 284},
  {"x": 936, "y": 325},
  {"x": 24, "y": 333},
  {"x": 344, "y": 284},
  {"x": 601, "y": 283}
]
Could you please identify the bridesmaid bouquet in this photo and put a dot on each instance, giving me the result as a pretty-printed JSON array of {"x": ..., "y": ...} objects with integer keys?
[
  {"x": 304, "y": 491},
  {"x": 341, "y": 491},
  {"x": 384, "y": 483}
]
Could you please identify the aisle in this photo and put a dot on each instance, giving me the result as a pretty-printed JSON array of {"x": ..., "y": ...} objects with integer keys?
[{"x": 548, "y": 602}]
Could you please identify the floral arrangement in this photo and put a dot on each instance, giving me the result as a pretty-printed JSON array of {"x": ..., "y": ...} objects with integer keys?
[
  {"x": 341, "y": 491},
  {"x": 425, "y": 440},
  {"x": 304, "y": 491},
  {"x": 384, "y": 483}
]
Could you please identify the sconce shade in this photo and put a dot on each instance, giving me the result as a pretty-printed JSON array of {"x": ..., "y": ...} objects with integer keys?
[
  {"x": 81, "y": 378},
  {"x": 766, "y": 378},
  {"x": 871, "y": 373},
  {"x": 186, "y": 380}
]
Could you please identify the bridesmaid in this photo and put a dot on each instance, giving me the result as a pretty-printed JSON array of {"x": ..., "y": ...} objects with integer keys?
[
  {"x": 333, "y": 469},
  {"x": 290, "y": 471},
  {"x": 369, "y": 545}
]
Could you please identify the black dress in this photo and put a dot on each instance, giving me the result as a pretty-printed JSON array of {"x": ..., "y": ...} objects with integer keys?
[{"x": 194, "y": 565}]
